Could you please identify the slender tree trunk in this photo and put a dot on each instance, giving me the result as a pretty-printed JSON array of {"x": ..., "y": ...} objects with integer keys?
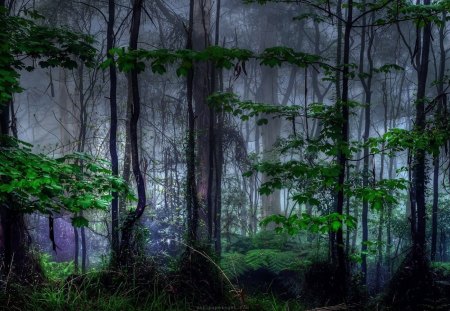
[
  {"x": 365, "y": 209},
  {"x": 126, "y": 170},
  {"x": 441, "y": 125},
  {"x": 342, "y": 151},
  {"x": 83, "y": 248},
  {"x": 218, "y": 150},
  {"x": 76, "y": 246},
  {"x": 381, "y": 223},
  {"x": 133, "y": 216},
  {"x": 113, "y": 129},
  {"x": 191, "y": 193}
]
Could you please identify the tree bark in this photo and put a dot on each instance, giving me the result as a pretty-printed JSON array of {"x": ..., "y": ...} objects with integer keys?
[
  {"x": 342, "y": 151},
  {"x": 440, "y": 123},
  {"x": 419, "y": 178},
  {"x": 367, "y": 86},
  {"x": 192, "y": 199},
  {"x": 134, "y": 216},
  {"x": 113, "y": 129}
]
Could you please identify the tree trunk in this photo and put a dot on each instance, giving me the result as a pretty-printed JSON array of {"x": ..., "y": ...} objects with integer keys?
[
  {"x": 14, "y": 241},
  {"x": 83, "y": 248},
  {"x": 192, "y": 199},
  {"x": 343, "y": 141},
  {"x": 216, "y": 84},
  {"x": 127, "y": 229},
  {"x": 419, "y": 178},
  {"x": 113, "y": 129},
  {"x": 440, "y": 123},
  {"x": 268, "y": 93},
  {"x": 76, "y": 246}
]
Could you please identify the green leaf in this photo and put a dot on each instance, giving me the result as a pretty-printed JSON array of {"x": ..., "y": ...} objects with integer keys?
[{"x": 79, "y": 222}]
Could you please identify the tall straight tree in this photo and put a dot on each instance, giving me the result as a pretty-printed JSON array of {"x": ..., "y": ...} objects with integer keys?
[
  {"x": 419, "y": 226},
  {"x": 343, "y": 141},
  {"x": 202, "y": 88},
  {"x": 267, "y": 92},
  {"x": 192, "y": 205},
  {"x": 207, "y": 126},
  {"x": 367, "y": 86},
  {"x": 113, "y": 128},
  {"x": 440, "y": 121}
]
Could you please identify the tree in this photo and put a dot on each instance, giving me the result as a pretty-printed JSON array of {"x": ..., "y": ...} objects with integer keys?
[
  {"x": 113, "y": 131},
  {"x": 49, "y": 47},
  {"x": 133, "y": 216}
]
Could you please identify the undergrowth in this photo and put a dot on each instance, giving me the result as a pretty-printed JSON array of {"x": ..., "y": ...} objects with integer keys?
[
  {"x": 141, "y": 288},
  {"x": 90, "y": 292}
]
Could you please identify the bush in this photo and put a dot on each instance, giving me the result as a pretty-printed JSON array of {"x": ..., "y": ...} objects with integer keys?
[{"x": 55, "y": 271}]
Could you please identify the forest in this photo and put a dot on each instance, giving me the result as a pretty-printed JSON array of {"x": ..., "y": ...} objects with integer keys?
[{"x": 224, "y": 155}]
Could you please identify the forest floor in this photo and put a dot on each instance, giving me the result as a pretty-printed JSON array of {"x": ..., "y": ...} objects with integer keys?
[{"x": 147, "y": 288}]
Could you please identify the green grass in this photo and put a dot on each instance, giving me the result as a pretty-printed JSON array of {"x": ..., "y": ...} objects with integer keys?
[
  {"x": 55, "y": 271},
  {"x": 91, "y": 295},
  {"x": 55, "y": 296},
  {"x": 106, "y": 290},
  {"x": 271, "y": 303}
]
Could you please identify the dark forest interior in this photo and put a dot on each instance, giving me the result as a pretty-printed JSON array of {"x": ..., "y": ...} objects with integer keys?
[{"x": 224, "y": 155}]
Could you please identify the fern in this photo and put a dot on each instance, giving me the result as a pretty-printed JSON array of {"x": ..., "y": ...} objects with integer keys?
[
  {"x": 234, "y": 265},
  {"x": 55, "y": 270},
  {"x": 276, "y": 261},
  {"x": 260, "y": 258}
]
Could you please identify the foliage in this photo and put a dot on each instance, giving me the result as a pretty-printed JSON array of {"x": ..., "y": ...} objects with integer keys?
[
  {"x": 23, "y": 38},
  {"x": 442, "y": 268},
  {"x": 55, "y": 271},
  {"x": 269, "y": 302},
  {"x": 87, "y": 292},
  {"x": 317, "y": 224},
  {"x": 237, "y": 264},
  {"x": 34, "y": 182},
  {"x": 306, "y": 177},
  {"x": 221, "y": 57}
]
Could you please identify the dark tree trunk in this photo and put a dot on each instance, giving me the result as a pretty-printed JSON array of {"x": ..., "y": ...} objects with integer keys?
[
  {"x": 76, "y": 246},
  {"x": 216, "y": 84},
  {"x": 14, "y": 241},
  {"x": 342, "y": 151},
  {"x": 365, "y": 209},
  {"x": 113, "y": 130},
  {"x": 419, "y": 178},
  {"x": 125, "y": 253},
  {"x": 191, "y": 193},
  {"x": 440, "y": 123},
  {"x": 83, "y": 248},
  {"x": 381, "y": 223}
]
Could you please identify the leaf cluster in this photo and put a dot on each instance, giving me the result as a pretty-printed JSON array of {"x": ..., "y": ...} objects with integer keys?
[
  {"x": 236, "y": 264},
  {"x": 24, "y": 38},
  {"x": 73, "y": 183},
  {"x": 294, "y": 224},
  {"x": 227, "y": 58}
]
